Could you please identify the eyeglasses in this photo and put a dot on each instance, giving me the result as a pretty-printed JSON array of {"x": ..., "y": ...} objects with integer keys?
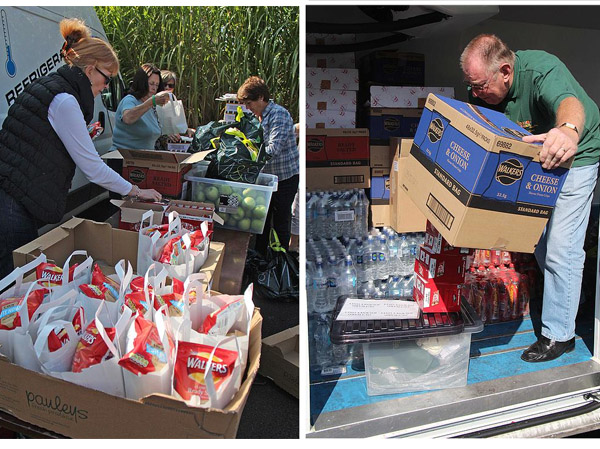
[
  {"x": 170, "y": 85},
  {"x": 107, "y": 79},
  {"x": 481, "y": 86}
]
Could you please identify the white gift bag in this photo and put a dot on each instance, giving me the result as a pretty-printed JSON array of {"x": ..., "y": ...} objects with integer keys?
[
  {"x": 138, "y": 385},
  {"x": 81, "y": 274},
  {"x": 18, "y": 289},
  {"x": 149, "y": 245},
  {"x": 106, "y": 376},
  {"x": 171, "y": 117},
  {"x": 53, "y": 320},
  {"x": 190, "y": 365}
]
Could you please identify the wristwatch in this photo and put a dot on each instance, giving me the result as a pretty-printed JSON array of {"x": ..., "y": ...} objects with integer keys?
[{"x": 570, "y": 126}]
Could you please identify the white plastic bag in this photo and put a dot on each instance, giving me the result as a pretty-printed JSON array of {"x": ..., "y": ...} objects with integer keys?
[{"x": 171, "y": 117}]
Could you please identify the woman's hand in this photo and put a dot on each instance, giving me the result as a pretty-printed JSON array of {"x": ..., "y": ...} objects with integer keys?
[
  {"x": 190, "y": 132},
  {"x": 162, "y": 98},
  {"x": 145, "y": 194},
  {"x": 174, "y": 138}
]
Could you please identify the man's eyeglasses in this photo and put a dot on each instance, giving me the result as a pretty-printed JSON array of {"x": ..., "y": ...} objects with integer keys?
[
  {"x": 107, "y": 79},
  {"x": 480, "y": 87},
  {"x": 170, "y": 85}
]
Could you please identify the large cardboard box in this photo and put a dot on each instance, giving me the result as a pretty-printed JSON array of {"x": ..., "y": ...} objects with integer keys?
[
  {"x": 338, "y": 79},
  {"x": 405, "y": 216},
  {"x": 159, "y": 170},
  {"x": 391, "y": 67},
  {"x": 337, "y": 147},
  {"x": 338, "y": 178},
  {"x": 380, "y": 213},
  {"x": 381, "y": 156},
  {"x": 392, "y": 122},
  {"x": 330, "y": 100},
  {"x": 280, "y": 359},
  {"x": 330, "y": 119},
  {"x": 105, "y": 244},
  {"x": 78, "y": 412},
  {"x": 405, "y": 96},
  {"x": 474, "y": 178}
]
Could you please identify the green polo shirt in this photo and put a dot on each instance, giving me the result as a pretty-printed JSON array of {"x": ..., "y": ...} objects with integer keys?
[{"x": 541, "y": 81}]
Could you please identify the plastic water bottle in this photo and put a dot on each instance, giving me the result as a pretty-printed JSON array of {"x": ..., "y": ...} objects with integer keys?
[
  {"x": 392, "y": 254},
  {"x": 322, "y": 217},
  {"x": 368, "y": 258},
  {"x": 333, "y": 279},
  {"x": 358, "y": 257},
  {"x": 368, "y": 290},
  {"x": 382, "y": 255},
  {"x": 404, "y": 251},
  {"x": 310, "y": 300},
  {"x": 348, "y": 278},
  {"x": 319, "y": 289},
  {"x": 322, "y": 342},
  {"x": 413, "y": 243},
  {"x": 394, "y": 289},
  {"x": 363, "y": 204},
  {"x": 311, "y": 212}
]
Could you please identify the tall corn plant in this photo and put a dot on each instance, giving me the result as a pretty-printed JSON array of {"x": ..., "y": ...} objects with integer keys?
[{"x": 212, "y": 50}]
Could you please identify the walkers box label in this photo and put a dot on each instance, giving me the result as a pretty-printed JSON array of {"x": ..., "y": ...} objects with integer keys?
[{"x": 474, "y": 178}]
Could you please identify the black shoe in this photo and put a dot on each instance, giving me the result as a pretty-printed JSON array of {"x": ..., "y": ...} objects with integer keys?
[{"x": 545, "y": 350}]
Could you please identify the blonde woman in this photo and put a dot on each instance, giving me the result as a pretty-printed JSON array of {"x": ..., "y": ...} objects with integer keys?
[{"x": 45, "y": 136}]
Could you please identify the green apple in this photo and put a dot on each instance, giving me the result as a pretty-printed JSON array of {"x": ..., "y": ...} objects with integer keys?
[
  {"x": 199, "y": 195},
  {"x": 244, "y": 224},
  {"x": 259, "y": 211},
  {"x": 257, "y": 226},
  {"x": 239, "y": 214},
  {"x": 248, "y": 203},
  {"x": 225, "y": 190},
  {"x": 260, "y": 200},
  {"x": 250, "y": 192},
  {"x": 212, "y": 194},
  {"x": 230, "y": 221}
]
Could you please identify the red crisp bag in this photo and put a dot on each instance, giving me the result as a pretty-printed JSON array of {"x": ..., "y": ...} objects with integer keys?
[
  {"x": 173, "y": 301},
  {"x": 136, "y": 301},
  {"x": 93, "y": 291},
  {"x": 110, "y": 288},
  {"x": 192, "y": 360},
  {"x": 91, "y": 348},
  {"x": 137, "y": 284},
  {"x": 50, "y": 275},
  {"x": 57, "y": 339},
  {"x": 9, "y": 308},
  {"x": 220, "y": 321},
  {"x": 148, "y": 354},
  {"x": 175, "y": 247},
  {"x": 161, "y": 229}
]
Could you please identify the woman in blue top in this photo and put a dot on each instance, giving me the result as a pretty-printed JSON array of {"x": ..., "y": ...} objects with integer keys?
[{"x": 137, "y": 126}]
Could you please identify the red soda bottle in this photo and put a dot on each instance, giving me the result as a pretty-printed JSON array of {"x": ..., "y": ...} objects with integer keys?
[
  {"x": 524, "y": 294},
  {"x": 493, "y": 306},
  {"x": 485, "y": 258},
  {"x": 514, "y": 293},
  {"x": 503, "y": 296},
  {"x": 496, "y": 258},
  {"x": 506, "y": 258}
]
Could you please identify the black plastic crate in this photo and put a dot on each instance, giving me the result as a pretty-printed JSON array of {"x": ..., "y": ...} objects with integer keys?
[{"x": 426, "y": 325}]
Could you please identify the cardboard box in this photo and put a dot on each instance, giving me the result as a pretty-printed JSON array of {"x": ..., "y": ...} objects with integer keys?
[
  {"x": 405, "y": 96},
  {"x": 442, "y": 267},
  {"x": 131, "y": 211},
  {"x": 474, "y": 178},
  {"x": 405, "y": 216},
  {"x": 105, "y": 244},
  {"x": 192, "y": 214},
  {"x": 280, "y": 359},
  {"x": 330, "y": 100},
  {"x": 436, "y": 244},
  {"x": 380, "y": 187},
  {"x": 338, "y": 178},
  {"x": 396, "y": 67},
  {"x": 330, "y": 119},
  {"x": 331, "y": 60},
  {"x": 159, "y": 170},
  {"x": 380, "y": 213},
  {"x": 78, "y": 412},
  {"x": 337, "y": 147},
  {"x": 433, "y": 296},
  {"x": 381, "y": 156},
  {"x": 392, "y": 122},
  {"x": 338, "y": 79}
]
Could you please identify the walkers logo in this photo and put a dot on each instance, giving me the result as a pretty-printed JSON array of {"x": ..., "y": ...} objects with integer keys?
[
  {"x": 391, "y": 124},
  {"x": 315, "y": 145},
  {"x": 137, "y": 176},
  {"x": 55, "y": 406},
  {"x": 509, "y": 172},
  {"x": 436, "y": 130}
]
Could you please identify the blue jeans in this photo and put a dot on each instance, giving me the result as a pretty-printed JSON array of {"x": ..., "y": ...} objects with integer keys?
[
  {"x": 561, "y": 256},
  {"x": 17, "y": 227}
]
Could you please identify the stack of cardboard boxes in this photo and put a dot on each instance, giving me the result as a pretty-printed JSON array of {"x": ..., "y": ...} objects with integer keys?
[{"x": 337, "y": 153}]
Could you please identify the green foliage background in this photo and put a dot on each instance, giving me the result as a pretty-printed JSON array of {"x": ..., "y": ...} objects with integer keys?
[{"x": 212, "y": 49}]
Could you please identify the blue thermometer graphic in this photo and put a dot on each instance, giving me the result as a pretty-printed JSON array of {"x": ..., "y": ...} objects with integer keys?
[{"x": 11, "y": 68}]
